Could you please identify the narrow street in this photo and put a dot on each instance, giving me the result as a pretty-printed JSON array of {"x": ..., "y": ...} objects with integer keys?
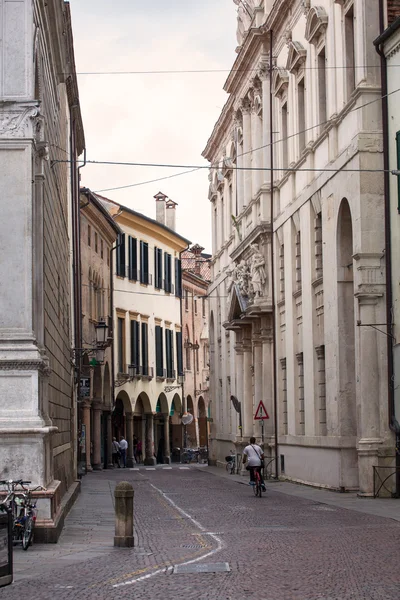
[{"x": 297, "y": 545}]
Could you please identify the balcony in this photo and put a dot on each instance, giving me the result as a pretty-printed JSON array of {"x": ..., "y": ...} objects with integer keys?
[
  {"x": 171, "y": 375},
  {"x": 161, "y": 374}
]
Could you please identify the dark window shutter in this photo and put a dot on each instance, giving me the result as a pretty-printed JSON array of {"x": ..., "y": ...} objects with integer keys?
[
  {"x": 168, "y": 352},
  {"x": 156, "y": 267},
  {"x": 159, "y": 351},
  {"x": 132, "y": 251},
  {"x": 165, "y": 271},
  {"x": 179, "y": 352},
  {"x": 171, "y": 341},
  {"x": 178, "y": 278},
  {"x": 159, "y": 268},
  {"x": 145, "y": 355},
  {"x": 135, "y": 344},
  {"x": 121, "y": 255},
  {"x": 144, "y": 262}
]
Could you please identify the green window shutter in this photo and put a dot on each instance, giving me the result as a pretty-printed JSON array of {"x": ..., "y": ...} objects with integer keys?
[
  {"x": 145, "y": 352},
  {"x": 179, "y": 354}
]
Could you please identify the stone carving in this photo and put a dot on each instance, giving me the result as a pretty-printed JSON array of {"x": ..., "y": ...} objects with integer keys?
[
  {"x": 245, "y": 16},
  {"x": 257, "y": 272},
  {"x": 16, "y": 123}
]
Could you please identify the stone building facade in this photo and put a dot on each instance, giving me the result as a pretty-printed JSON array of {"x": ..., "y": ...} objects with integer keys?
[
  {"x": 317, "y": 107},
  {"x": 40, "y": 124},
  {"x": 196, "y": 274},
  {"x": 148, "y": 362},
  {"x": 98, "y": 235}
]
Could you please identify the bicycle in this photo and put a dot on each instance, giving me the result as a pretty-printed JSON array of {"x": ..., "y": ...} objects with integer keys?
[
  {"x": 230, "y": 463},
  {"x": 22, "y": 509},
  {"x": 268, "y": 473},
  {"x": 257, "y": 487}
]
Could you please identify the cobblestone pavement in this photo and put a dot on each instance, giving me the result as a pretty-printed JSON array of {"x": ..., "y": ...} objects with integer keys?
[{"x": 279, "y": 547}]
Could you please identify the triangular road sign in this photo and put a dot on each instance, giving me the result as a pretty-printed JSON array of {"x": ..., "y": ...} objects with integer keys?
[{"x": 261, "y": 412}]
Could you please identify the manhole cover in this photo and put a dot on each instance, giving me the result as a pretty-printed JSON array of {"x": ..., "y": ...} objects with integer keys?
[{"x": 221, "y": 567}]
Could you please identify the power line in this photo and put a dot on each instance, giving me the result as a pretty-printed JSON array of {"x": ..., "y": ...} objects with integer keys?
[
  {"x": 192, "y": 168},
  {"x": 205, "y": 71}
]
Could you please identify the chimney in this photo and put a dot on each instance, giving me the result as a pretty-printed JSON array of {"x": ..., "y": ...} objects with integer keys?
[
  {"x": 197, "y": 250},
  {"x": 160, "y": 207},
  {"x": 171, "y": 214}
]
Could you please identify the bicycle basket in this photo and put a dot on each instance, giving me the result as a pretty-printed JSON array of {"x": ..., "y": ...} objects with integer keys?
[{"x": 229, "y": 458}]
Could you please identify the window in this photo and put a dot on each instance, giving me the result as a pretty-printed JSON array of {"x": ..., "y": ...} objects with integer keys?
[
  {"x": 320, "y": 350},
  {"x": 135, "y": 345},
  {"x": 144, "y": 263},
  {"x": 187, "y": 350},
  {"x": 197, "y": 357},
  {"x": 101, "y": 249},
  {"x": 158, "y": 268},
  {"x": 318, "y": 246},
  {"x": 321, "y": 70},
  {"x": 349, "y": 52},
  {"x": 89, "y": 232},
  {"x": 298, "y": 261},
  {"x": 145, "y": 350},
  {"x": 203, "y": 307},
  {"x": 121, "y": 345},
  {"x": 222, "y": 220},
  {"x": 159, "y": 352},
  {"x": 300, "y": 379},
  {"x": 132, "y": 253},
  {"x": 284, "y": 397},
  {"x": 121, "y": 255},
  {"x": 169, "y": 350},
  {"x": 186, "y": 299},
  {"x": 108, "y": 257},
  {"x": 179, "y": 352},
  {"x": 285, "y": 158},
  {"x": 195, "y": 306},
  {"x": 95, "y": 241},
  {"x": 282, "y": 271},
  {"x": 167, "y": 272},
  {"x": 178, "y": 278},
  {"x": 302, "y": 114},
  {"x": 205, "y": 361}
]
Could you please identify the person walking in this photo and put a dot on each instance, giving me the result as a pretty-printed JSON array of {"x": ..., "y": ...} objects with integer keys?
[
  {"x": 254, "y": 456},
  {"x": 115, "y": 453},
  {"x": 123, "y": 446},
  {"x": 135, "y": 440},
  {"x": 139, "y": 451}
]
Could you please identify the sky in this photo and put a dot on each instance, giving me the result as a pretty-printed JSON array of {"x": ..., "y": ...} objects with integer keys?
[{"x": 153, "y": 118}]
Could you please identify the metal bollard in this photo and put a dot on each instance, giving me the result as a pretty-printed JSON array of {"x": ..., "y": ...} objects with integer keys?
[{"x": 123, "y": 495}]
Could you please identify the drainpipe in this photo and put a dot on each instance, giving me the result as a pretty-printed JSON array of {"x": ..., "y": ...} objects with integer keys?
[
  {"x": 271, "y": 139},
  {"x": 393, "y": 423}
]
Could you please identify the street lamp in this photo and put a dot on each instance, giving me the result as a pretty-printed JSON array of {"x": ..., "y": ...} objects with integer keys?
[{"x": 101, "y": 333}]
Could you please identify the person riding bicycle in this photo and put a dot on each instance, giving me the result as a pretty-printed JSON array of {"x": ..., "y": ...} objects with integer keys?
[{"x": 255, "y": 457}]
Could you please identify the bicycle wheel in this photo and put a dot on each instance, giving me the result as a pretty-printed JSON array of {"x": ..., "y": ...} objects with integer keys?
[{"x": 28, "y": 532}]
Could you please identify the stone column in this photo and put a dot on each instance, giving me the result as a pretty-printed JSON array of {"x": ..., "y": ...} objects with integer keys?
[
  {"x": 247, "y": 195},
  {"x": 129, "y": 439},
  {"x": 263, "y": 74},
  {"x": 239, "y": 171},
  {"x": 258, "y": 378},
  {"x": 109, "y": 441},
  {"x": 97, "y": 466},
  {"x": 247, "y": 409},
  {"x": 167, "y": 451},
  {"x": 149, "y": 441},
  {"x": 239, "y": 377},
  {"x": 256, "y": 136},
  {"x": 86, "y": 422},
  {"x": 268, "y": 380},
  {"x": 368, "y": 394}
]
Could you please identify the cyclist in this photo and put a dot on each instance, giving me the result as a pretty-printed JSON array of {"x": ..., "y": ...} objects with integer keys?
[{"x": 255, "y": 457}]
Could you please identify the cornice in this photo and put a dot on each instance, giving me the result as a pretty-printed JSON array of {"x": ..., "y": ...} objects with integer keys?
[{"x": 250, "y": 49}]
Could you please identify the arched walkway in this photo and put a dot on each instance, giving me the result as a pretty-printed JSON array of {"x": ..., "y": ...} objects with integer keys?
[
  {"x": 140, "y": 414},
  {"x": 346, "y": 323},
  {"x": 161, "y": 433},
  {"x": 191, "y": 433},
  {"x": 176, "y": 428},
  {"x": 202, "y": 421}
]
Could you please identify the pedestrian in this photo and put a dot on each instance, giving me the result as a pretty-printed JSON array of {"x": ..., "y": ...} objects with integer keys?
[
  {"x": 123, "y": 447},
  {"x": 115, "y": 453},
  {"x": 139, "y": 451},
  {"x": 135, "y": 441},
  {"x": 254, "y": 456}
]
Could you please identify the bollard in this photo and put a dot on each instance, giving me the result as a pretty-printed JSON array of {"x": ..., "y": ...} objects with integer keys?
[{"x": 123, "y": 495}]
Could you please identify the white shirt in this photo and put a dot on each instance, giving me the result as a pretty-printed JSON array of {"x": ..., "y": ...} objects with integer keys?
[
  {"x": 123, "y": 444},
  {"x": 254, "y": 454}
]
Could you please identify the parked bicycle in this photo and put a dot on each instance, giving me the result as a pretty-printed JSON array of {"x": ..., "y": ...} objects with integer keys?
[
  {"x": 23, "y": 509},
  {"x": 230, "y": 463},
  {"x": 190, "y": 455}
]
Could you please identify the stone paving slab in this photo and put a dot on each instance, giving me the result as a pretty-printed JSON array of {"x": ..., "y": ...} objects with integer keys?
[{"x": 280, "y": 547}]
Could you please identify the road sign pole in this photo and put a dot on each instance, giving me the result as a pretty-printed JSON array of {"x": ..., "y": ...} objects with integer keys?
[{"x": 262, "y": 431}]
